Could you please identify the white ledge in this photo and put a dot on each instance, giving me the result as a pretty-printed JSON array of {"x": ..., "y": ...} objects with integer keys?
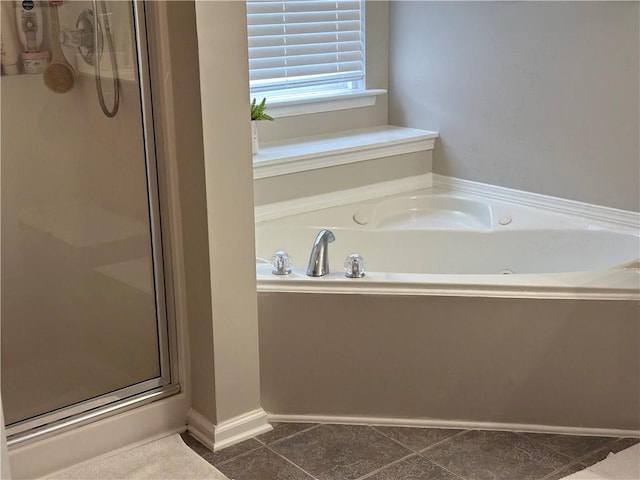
[
  {"x": 311, "y": 153},
  {"x": 290, "y": 106}
]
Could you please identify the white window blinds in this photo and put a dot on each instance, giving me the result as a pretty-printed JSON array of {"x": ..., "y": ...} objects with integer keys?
[{"x": 304, "y": 43}]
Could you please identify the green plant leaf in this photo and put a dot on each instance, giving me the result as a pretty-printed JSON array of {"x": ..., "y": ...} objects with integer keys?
[{"x": 258, "y": 110}]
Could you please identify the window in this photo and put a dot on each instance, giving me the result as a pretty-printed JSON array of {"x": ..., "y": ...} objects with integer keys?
[{"x": 300, "y": 48}]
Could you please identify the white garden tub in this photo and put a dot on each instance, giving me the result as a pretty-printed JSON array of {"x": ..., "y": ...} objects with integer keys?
[{"x": 435, "y": 242}]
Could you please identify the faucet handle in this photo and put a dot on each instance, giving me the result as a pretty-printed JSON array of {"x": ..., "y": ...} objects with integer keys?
[
  {"x": 354, "y": 266},
  {"x": 72, "y": 37},
  {"x": 281, "y": 262}
]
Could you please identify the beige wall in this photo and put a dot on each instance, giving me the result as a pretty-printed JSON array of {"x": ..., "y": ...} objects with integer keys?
[
  {"x": 538, "y": 96},
  {"x": 211, "y": 134},
  {"x": 543, "y": 362},
  {"x": 181, "y": 158},
  {"x": 224, "y": 81}
]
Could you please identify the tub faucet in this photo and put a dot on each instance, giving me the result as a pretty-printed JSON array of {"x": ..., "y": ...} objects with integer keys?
[{"x": 319, "y": 259}]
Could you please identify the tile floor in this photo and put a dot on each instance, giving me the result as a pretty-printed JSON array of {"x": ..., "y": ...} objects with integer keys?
[{"x": 305, "y": 451}]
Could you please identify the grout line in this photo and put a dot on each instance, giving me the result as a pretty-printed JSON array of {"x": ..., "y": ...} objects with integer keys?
[
  {"x": 459, "y": 434},
  {"x": 424, "y": 450},
  {"x": 414, "y": 453},
  {"x": 289, "y": 436},
  {"x": 290, "y": 461},
  {"x": 377, "y": 470},
  {"x": 237, "y": 456},
  {"x": 555, "y": 472},
  {"x": 416, "y": 428},
  {"x": 419, "y": 452},
  {"x": 263, "y": 444},
  {"x": 605, "y": 446},
  {"x": 548, "y": 447},
  {"x": 392, "y": 439},
  {"x": 573, "y": 460},
  {"x": 445, "y": 469}
]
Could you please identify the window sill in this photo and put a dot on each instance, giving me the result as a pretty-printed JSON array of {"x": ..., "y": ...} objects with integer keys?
[
  {"x": 311, "y": 153},
  {"x": 292, "y": 106}
]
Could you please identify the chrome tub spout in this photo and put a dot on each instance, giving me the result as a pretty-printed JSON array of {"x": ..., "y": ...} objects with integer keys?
[{"x": 319, "y": 258}]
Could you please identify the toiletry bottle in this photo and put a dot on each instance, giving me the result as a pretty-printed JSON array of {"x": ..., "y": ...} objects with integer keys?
[
  {"x": 29, "y": 22},
  {"x": 9, "y": 42},
  {"x": 30, "y": 32}
]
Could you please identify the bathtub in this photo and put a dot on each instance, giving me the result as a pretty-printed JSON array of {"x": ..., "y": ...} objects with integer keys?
[
  {"x": 433, "y": 242},
  {"x": 475, "y": 312}
]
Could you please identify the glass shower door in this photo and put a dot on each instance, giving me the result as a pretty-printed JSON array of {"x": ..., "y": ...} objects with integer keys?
[{"x": 84, "y": 320}]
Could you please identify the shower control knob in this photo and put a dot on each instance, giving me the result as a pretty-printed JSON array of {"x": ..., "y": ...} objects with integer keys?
[
  {"x": 281, "y": 262},
  {"x": 354, "y": 266},
  {"x": 72, "y": 37}
]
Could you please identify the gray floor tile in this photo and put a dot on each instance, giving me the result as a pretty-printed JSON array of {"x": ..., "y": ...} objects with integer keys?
[
  {"x": 488, "y": 455},
  {"x": 337, "y": 452},
  {"x": 614, "y": 447},
  {"x": 413, "y": 468},
  {"x": 572, "y": 445},
  {"x": 262, "y": 464},
  {"x": 417, "y": 438},
  {"x": 283, "y": 430},
  {"x": 216, "y": 458},
  {"x": 194, "y": 444}
]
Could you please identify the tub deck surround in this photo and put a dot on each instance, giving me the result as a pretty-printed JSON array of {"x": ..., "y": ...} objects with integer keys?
[
  {"x": 619, "y": 285},
  {"x": 310, "y": 153},
  {"x": 437, "y": 240},
  {"x": 554, "y": 365}
]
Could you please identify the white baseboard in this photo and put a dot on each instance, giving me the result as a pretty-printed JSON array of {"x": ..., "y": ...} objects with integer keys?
[
  {"x": 201, "y": 428},
  {"x": 228, "y": 432},
  {"x": 240, "y": 428},
  {"x": 453, "y": 424}
]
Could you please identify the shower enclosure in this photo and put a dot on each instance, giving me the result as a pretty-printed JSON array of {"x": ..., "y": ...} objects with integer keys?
[{"x": 85, "y": 328}]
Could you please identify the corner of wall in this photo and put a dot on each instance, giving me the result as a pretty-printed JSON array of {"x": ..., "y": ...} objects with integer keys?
[{"x": 223, "y": 59}]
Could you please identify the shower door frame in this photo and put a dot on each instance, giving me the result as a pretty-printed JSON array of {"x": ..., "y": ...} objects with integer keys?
[{"x": 132, "y": 396}]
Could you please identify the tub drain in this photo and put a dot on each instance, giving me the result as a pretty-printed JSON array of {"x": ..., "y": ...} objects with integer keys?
[{"x": 506, "y": 271}]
